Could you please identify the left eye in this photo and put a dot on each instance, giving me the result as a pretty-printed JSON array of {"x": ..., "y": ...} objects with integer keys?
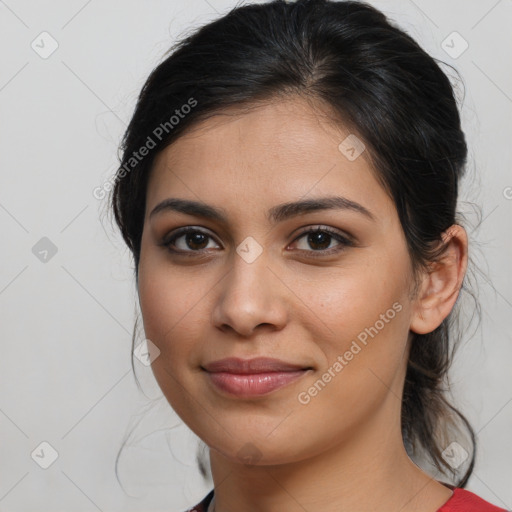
[
  {"x": 320, "y": 239},
  {"x": 196, "y": 241}
]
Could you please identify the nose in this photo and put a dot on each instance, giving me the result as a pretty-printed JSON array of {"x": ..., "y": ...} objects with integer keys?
[{"x": 251, "y": 296}]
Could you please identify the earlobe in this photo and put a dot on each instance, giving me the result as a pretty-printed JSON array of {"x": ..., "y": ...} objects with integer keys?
[{"x": 441, "y": 283}]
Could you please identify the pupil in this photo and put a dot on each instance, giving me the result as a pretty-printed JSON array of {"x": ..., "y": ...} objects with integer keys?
[
  {"x": 195, "y": 238},
  {"x": 317, "y": 237}
]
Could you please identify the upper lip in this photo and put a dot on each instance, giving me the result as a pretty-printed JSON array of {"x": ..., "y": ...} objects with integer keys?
[{"x": 256, "y": 365}]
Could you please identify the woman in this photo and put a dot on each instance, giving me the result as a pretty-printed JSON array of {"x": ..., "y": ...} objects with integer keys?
[{"x": 288, "y": 189}]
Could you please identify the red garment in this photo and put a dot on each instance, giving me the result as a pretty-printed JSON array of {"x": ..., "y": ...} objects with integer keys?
[
  {"x": 466, "y": 501},
  {"x": 460, "y": 501}
]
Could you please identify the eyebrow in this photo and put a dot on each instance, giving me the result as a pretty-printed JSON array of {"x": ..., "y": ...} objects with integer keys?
[{"x": 276, "y": 214}]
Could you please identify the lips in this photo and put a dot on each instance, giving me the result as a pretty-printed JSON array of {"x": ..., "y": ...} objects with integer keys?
[
  {"x": 252, "y": 366},
  {"x": 246, "y": 378}
]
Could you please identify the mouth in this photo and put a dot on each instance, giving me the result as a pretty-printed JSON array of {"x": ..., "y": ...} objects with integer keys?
[{"x": 253, "y": 377}]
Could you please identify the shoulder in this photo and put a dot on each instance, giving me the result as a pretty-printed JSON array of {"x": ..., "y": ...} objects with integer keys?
[
  {"x": 463, "y": 500},
  {"x": 203, "y": 505}
]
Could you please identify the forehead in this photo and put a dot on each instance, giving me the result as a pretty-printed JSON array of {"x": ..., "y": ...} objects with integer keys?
[
  {"x": 284, "y": 128},
  {"x": 274, "y": 152}
]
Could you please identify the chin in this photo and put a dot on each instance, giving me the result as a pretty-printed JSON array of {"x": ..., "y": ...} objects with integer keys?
[{"x": 258, "y": 451}]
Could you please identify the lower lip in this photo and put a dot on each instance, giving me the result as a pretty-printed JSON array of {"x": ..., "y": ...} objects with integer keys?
[{"x": 254, "y": 384}]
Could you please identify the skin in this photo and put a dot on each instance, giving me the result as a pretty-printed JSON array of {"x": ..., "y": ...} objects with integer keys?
[{"x": 343, "y": 450}]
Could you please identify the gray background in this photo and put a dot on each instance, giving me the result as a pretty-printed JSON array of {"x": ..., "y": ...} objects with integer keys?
[{"x": 67, "y": 316}]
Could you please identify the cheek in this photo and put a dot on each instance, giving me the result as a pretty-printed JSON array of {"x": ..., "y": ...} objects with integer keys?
[
  {"x": 168, "y": 310},
  {"x": 349, "y": 301},
  {"x": 170, "y": 313},
  {"x": 365, "y": 316},
  {"x": 165, "y": 303}
]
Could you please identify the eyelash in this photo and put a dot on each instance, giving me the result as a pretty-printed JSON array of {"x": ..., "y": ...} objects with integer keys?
[{"x": 168, "y": 241}]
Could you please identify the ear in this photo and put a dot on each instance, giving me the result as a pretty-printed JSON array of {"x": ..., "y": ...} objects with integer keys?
[{"x": 441, "y": 283}]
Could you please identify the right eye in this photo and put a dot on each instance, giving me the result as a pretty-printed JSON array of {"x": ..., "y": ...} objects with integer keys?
[{"x": 192, "y": 238}]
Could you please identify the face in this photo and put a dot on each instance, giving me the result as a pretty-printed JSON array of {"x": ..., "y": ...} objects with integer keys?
[{"x": 325, "y": 288}]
